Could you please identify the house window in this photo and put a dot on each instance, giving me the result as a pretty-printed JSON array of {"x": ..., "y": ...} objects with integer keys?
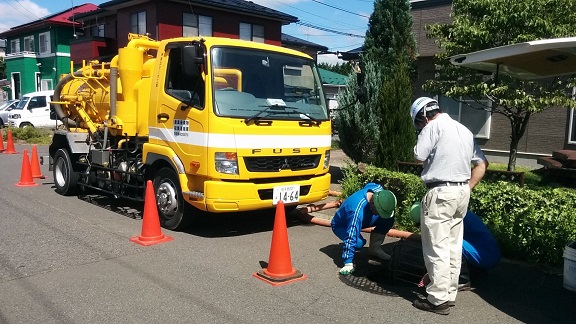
[
  {"x": 252, "y": 32},
  {"x": 469, "y": 113},
  {"x": 29, "y": 44},
  {"x": 15, "y": 46},
  {"x": 46, "y": 84},
  {"x": 16, "y": 85},
  {"x": 97, "y": 30},
  {"x": 195, "y": 25},
  {"x": 138, "y": 23},
  {"x": 37, "y": 80},
  {"x": 572, "y": 126},
  {"x": 44, "y": 43}
]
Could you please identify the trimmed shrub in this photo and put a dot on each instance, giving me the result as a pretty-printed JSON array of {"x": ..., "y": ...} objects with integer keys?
[
  {"x": 407, "y": 188},
  {"x": 529, "y": 224}
]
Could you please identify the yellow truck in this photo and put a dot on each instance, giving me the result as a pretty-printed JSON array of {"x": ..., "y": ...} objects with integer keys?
[{"x": 217, "y": 124}]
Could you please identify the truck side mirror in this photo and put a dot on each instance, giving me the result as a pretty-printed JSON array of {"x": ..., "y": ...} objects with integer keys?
[{"x": 192, "y": 55}]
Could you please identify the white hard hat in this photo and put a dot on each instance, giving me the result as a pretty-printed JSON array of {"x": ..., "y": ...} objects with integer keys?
[{"x": 420, "y": 103}]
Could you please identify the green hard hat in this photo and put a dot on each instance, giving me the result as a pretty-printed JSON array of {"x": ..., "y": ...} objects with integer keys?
[
  {"x": 415, "y": 212},
  {"x": 385, "y": 203}
]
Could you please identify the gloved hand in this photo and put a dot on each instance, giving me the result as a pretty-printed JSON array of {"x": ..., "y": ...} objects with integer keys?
[{"x": 347, "y": 269}]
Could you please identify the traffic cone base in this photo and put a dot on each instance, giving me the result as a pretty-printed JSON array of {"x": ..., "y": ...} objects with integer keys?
[
  {"x": 275, "y": 281},
  {"x": 10, "y": 144},
  {"x": 27, "y": 184},
  {"x": 280, "y": 270},
  {"x": 147, "y": 241},
  {"x": 151, "y": 232},
  {"x": 35, "y": 164},
  {"x": 26, "y": 179}
]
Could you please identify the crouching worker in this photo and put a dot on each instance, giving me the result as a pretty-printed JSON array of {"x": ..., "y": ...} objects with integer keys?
[{"x": 369, "y": 206}]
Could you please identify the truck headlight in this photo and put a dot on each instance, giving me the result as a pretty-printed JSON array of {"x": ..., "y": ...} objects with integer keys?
[
  {"x": 14, "y": 116},
  {"x": 226, "y": 162},
  {"x": 327, "y": 159}
]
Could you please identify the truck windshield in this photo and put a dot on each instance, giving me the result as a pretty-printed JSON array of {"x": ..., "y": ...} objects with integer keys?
[{"x": 246, "y": 82}]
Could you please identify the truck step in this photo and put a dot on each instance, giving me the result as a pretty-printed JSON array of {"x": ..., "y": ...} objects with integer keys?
[{"x": 194, "y": 194}]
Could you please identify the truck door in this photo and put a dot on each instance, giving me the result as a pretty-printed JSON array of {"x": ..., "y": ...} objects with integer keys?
[{"x": 183, "y": 101}]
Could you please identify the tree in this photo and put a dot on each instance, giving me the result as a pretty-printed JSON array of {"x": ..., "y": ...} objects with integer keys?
[
  {"x": 2, "y": 68},
  {"x": 380, "y": 131},
  {"x": 344, "y": 68},
  {"x": 482, "y": 24}
]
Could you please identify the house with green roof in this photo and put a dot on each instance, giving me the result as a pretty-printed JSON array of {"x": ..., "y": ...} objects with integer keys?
[
  {"x": 332, "y": 83},
  {"x": 38, "y": 52}
]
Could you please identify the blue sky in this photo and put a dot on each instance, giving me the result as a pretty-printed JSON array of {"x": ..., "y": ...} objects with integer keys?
[{"x": 344, "y": 17}]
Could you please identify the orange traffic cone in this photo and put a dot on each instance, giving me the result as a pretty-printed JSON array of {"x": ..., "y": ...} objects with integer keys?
[
  {"x": 10, "y": 145},
  {"x": 2, "y": 148},
  {"x": 280, "y": 270},
  {"x": 151, "y": 232},
  {"x": 35, "y": 164},
  {"x": 26, "y": 179}
]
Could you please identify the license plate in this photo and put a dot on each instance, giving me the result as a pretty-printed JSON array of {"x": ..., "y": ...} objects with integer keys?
[{"x": 286, "y": 194}]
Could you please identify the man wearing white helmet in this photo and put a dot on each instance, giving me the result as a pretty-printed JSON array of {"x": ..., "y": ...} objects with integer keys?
[{"x": 447, "y": 149}]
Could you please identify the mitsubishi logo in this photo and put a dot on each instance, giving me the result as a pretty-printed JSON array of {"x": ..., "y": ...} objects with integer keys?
[{"x": 285, "y": 165}]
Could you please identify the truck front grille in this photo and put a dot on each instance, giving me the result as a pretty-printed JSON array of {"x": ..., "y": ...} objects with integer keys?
[{"x": 277, "y": 163}]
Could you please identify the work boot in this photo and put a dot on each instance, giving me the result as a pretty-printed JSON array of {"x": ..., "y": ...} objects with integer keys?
[
  {"x": 425, "y": 305},
  {"x": 375, "y": 247},
  {"x": 464, "y": 283}
]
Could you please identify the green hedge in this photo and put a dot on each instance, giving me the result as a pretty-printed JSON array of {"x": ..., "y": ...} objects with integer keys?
[
  {"x": 30, "y": 135},
  {"x": 408, "y": 189},
  {"x": 529, "y": 224}
]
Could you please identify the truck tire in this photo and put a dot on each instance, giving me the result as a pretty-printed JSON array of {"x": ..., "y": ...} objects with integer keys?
[
  {"x": 174, "y": 212},
  {"x": 65, "y": 179}
]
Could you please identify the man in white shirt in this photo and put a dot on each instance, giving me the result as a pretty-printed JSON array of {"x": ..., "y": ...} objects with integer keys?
[{"x": 447, "y": 149}]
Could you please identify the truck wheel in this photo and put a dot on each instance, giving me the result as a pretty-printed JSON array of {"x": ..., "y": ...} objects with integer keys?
[
  {"x": 65, "y": 179},
  {"x": 26, "y": 124},
  {"x": 174, "y": 212}
]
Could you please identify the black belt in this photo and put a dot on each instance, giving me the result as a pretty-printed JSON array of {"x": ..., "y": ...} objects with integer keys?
[{"x": 445, "y": 184}]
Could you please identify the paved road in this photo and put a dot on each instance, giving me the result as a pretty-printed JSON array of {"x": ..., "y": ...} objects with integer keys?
[{"x": 66, "y": 260}]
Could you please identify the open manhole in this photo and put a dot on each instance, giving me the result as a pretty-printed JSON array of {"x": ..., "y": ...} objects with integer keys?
[{"x": 392, "y": 278}]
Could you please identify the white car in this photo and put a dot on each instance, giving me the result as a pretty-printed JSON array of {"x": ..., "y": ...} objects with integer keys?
[
  {"x": 33, "y": 110},
  {"x": 5, "y": 109}
]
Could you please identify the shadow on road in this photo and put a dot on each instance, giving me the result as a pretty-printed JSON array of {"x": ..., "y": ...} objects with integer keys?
[
  {"x": 238, "y": 223},
  {"x": 527, "y": 293},
  {"x": 336, "y": 173},
  {"x": 120, "y": 206}
]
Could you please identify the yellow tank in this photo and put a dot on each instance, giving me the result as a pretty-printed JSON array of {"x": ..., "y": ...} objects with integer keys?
[{"x": 93, "y": 97}]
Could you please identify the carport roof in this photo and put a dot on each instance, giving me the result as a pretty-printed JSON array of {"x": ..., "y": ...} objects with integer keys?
[{"x": 530, "y": 60}]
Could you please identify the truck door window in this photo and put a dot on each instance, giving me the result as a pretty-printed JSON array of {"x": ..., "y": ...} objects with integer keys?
[
  {"x": 37, "y": 102},
  {"x": 186, "y": 86}
]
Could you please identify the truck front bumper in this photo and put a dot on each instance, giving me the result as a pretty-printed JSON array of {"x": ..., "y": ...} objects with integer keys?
[{"x": 221, "y": 196}]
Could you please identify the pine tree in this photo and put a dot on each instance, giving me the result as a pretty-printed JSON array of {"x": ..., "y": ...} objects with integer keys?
[{"x": 380, "y": 132}]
